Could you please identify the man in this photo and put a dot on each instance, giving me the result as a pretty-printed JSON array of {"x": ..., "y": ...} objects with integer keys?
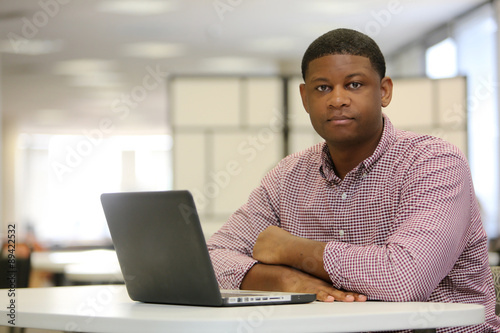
[{"x": 372, "y": 213}]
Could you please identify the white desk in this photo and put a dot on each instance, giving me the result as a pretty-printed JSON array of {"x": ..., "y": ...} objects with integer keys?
[
  {"x": 93, "y": 273},
  {"x": 56, "y": 261},
  {"x": 88, "y": 266},
  {"x": 108, "y": 308}
]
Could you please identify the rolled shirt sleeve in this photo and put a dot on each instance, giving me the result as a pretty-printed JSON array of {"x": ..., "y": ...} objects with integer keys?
[
  {"x": 433, "y": 226},
  {"x": 231, "y": 247}
]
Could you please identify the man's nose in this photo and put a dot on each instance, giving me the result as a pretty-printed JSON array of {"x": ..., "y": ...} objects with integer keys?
[{"x": 338, "y": 98}]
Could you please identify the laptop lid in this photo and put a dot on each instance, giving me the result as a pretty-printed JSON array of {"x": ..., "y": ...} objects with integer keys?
[{"x": 163, "y": 255}]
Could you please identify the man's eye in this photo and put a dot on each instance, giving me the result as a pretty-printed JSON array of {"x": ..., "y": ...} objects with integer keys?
[
  {"x": 354, "y": 85},
  {"x": 322, "y": 88}
]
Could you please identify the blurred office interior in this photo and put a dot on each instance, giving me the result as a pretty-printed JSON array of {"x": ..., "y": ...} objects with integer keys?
[{"x": 104, "y": 96}]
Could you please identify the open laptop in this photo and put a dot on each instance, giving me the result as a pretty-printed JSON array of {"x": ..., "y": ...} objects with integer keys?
[{"x": 163, "y": 255}]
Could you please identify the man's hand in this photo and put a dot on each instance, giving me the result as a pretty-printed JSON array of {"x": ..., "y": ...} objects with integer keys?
[{"x": 283, "y": 278}]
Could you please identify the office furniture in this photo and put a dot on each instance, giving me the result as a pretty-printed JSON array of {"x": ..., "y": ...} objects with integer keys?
[
  {"x": 85, "y": 266},
  {"x": 107, "y": 308},
  {"x": 98, "y": 273},
  {"x": 17, "y": 273}
]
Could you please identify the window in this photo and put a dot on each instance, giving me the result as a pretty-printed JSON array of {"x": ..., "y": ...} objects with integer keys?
[
  {"x": 476, "y": 45},
  {"x": 441, "y": 60},
  {"x": 472, "y": 53},
  {"x": 64, "y": 175}
]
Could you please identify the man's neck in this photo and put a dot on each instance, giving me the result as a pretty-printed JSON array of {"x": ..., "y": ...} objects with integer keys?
[
  {"x": 343, "y": 163},
  {"x": 347, "y": 158}
]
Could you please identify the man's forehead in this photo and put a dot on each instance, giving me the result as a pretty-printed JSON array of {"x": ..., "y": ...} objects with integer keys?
[
  {"x": 332, "y": 63},
  {"x": 341, "y": 58}
]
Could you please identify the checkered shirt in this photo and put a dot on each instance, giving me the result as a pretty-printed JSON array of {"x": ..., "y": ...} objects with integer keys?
[{"x": 404, "y": 225}]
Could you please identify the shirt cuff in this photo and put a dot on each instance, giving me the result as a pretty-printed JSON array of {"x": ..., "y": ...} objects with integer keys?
[
  {"x": 232, "y": 278},
  {"x": 332, "y": 262}
]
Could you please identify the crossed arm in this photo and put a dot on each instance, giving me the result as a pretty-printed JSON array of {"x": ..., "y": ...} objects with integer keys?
[{"x": 290, "y": 263}]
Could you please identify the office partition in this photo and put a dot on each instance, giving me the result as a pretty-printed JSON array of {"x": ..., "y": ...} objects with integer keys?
[{"x": 230, "y": 130}]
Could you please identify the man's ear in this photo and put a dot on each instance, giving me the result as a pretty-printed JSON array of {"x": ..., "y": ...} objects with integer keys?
[
  {"x": 386, "y": 91},
  {"x": 303, "y": 95}
]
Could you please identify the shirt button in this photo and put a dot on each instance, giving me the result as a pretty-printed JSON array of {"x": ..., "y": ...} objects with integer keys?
[
  {"x": 344, "y": 195},
  {"x": 341, "y": 233},
  {"x": 363, "y": 175}
]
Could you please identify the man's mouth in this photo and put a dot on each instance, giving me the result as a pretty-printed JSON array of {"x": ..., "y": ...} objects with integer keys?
[{"x": 340, "y": 120}]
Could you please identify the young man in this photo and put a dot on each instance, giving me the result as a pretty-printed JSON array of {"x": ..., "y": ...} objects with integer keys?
[{"x": 372, "y": 213}]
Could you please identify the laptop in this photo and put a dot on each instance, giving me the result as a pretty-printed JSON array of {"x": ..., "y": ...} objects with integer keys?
[{"x": 163, "y": 255}]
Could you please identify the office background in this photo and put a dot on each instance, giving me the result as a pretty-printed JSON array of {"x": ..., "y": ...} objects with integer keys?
[{"x": 203, "y": 95}]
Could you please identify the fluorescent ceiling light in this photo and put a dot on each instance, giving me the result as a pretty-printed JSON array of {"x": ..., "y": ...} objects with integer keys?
[
  {"x": 83, "y": 66},
  {"x": 31, "y": 46},
  {"x": 236, "y": 65},
  {"x": 48, "y": 116},
  {"x": 102, "y": 80},
  {"x": 153, "y": 50},
  {"x": 130, "y": 7},
  {"x": 89, "y": 72}
]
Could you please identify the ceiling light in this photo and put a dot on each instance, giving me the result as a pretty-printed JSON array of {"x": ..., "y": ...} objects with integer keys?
[
  {"x": 153, "y": 50},
  {"x": 31, "y": 46},
  {"x": 236, "y": 65},
  {"x": 130, "y": 7},
  {"x": 102, "y": 80},
  {"x": 83, "y": 66},
  {"x": 89, "y": 72},
  {"x": 48, "y": 116}
]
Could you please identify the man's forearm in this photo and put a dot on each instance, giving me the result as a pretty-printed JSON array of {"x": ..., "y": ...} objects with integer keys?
[
  {"x": 264, "y": 277},
  {"x": 278, "y": 247},
  {"x": 284, "y": 278},
  {"x": 307, "y": 255}
]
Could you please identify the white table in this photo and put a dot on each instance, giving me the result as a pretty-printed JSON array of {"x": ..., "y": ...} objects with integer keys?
[
  {"x": 56, "y": 261},
  {"x": 93, "y": 273},
  {"x": 107, "y": 308},
  {"x": 86, "y": 266}
]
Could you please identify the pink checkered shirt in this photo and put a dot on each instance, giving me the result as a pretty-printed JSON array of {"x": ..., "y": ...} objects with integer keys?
[{"x": 404, "y": 225}]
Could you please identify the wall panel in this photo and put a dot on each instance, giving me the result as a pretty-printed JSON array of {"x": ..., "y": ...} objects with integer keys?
[{"x": 229, "y": 131}]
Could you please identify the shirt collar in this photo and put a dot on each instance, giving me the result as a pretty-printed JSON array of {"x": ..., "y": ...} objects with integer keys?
[{"x": 387, "y": 139}]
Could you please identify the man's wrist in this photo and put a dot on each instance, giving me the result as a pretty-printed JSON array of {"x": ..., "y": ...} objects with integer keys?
[
  {"x": 264, "y": 277},
  {"x": 289, "y": 251},
  {"x": 308, "y": 257}
]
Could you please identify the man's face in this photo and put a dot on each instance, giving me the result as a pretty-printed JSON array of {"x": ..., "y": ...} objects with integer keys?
[{"x": 344, "y": 97}]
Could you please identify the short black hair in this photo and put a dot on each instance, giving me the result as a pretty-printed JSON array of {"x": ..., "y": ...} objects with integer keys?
[{"x": 344, "y": 41}]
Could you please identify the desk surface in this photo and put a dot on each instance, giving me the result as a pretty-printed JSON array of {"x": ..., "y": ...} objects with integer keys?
[
  {"x": 107, "y": 308},
  {"x": 57, "y": 261},
  {"x": 87, "y": 266}
]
